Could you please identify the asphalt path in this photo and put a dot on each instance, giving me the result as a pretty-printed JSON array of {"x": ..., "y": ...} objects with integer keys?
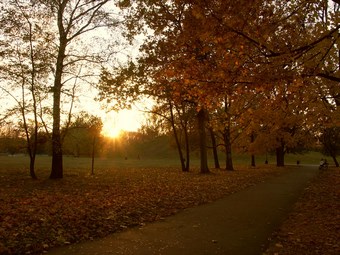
[{"x": 239, "y": 224}]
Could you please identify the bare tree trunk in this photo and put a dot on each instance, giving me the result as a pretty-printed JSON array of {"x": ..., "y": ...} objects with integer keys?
[
  {"x": 201, "y": 116},
  {"x": 227, "y": 138},
  {"x": 57, "y": 154},
  {"x": 214, "y": 148},
  {"x": 253, "y": 164},
  {"x": 32, "y": 167},
  {"x": 93, "y": 154},
  {"x": 178, "y": 144},
  {"x": 187, "y": 149},
  {"x": 252, "y": 139},
  {"x": 227, "y": 145},
  {"x": 280, "y": 156},
  {"x": 335, "y": 160},
  {"x": 31, "y": 139}
]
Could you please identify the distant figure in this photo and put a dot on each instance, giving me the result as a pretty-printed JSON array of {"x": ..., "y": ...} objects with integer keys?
[
  {"x": 323, "y": 164},
  {"x": 298, "y": 162}
]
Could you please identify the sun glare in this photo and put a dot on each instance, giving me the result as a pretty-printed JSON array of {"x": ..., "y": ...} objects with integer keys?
[
  {"x": 116, "y": 123},
  {"x": 112, "y": 132}
]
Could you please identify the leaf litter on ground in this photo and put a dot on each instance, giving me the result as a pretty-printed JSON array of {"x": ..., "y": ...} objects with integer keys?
[
  {"x": 38, "y": 215},
  {"x": 313, "y": 228}
]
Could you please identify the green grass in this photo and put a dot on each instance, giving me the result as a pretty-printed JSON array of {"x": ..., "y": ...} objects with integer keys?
[
  {"x": 310, "y": 158},
  {"x": 11, "y": 164}
]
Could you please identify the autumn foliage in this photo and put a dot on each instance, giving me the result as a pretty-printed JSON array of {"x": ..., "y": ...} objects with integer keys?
[{"x": 261, "y": 69}]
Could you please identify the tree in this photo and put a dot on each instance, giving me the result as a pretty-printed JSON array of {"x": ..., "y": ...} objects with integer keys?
[
  {"x": 214, "y": 148},
  {"x": 81, "y": 133},
  {"x": 177, "y": 117},
  {"x": 74, "y": 19},
  {"x": 25, "y": 64},
  {"x": 214, "y": 53},
  {"x": 65, "y": 28},
  {"x": 330, "y": 140}
]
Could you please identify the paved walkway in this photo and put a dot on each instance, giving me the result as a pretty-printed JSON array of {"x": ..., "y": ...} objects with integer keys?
[{"x": 239, "y": 224}]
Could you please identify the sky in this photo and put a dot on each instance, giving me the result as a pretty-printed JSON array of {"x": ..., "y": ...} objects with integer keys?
[
  {"x": 124, "y": 120},
  {"x": 114, "y": 122}
]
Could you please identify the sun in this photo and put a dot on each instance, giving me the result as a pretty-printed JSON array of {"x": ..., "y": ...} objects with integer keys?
[
  {"x": 112, "y": 132},
  {"x": 111, "y": 127},
  {"x": 116, "y": 123}
]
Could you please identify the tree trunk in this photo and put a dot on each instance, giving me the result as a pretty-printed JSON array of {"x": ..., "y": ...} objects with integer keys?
[
  {"x": 252, "y": 139},
  {"x": 226, "y": 136},
  {"x": 32, "y": 167},
  {"x": 93, "y": 154},
  {"x": 253, "y": 160},
  {"x": 178, "y": 144},
  {"x": 201, "y": 116},
  {"x": 57, "y": 154},
  {"x": 335, "y": 161},
  {"x": 214, "y": 148},
  {"x": 227, "y": 145},
  {"x": 31, "y": 147},
  {"x": 187, "y": 149},
  {"x": 280, "y": 156}
]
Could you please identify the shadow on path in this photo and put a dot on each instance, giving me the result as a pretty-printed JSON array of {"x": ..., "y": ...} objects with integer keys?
[{"x": 237, "y": 224}]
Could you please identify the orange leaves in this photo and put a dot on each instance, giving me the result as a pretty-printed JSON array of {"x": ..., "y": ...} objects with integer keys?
[
  {"x": 37, "y": 215},
  {"x": 197, "y": 12}
]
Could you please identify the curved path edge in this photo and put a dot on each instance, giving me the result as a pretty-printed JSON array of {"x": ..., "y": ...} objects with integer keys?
[{"x": 240, "y": 223}]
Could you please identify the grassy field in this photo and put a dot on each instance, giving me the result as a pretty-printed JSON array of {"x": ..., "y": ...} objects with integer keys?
[{"x": 83, "y": 165}]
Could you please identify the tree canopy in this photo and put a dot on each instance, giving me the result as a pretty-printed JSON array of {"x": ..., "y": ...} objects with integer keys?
[{"x": 266, "y": 63}]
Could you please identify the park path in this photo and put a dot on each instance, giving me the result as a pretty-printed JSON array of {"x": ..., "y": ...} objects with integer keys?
[{"x": 239, "y": 224}]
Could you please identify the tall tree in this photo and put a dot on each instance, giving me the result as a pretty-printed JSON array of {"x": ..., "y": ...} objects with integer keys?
[
  {"x": 67, "y": 27},
  {"x": 74, "y": 20},
  {"x": 25, "y": 66}
]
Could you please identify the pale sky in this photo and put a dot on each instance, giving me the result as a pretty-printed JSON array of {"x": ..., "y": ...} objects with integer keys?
[{"x": 124, "y": 120}]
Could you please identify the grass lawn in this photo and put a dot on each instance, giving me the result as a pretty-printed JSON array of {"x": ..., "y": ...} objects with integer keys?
[{"x": 73, "y": 165}]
